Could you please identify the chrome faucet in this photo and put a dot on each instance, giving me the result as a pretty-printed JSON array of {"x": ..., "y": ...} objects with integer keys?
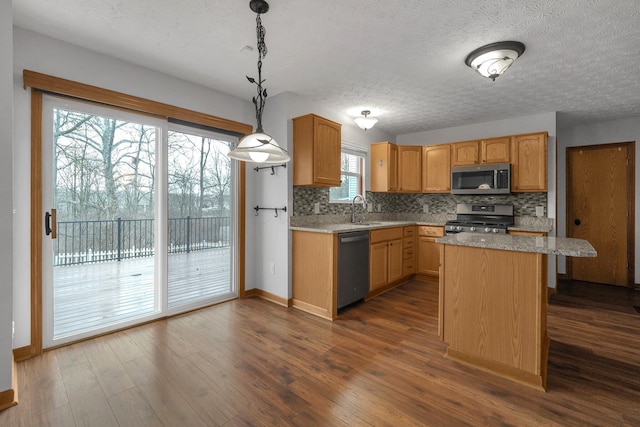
[{"x": 353, "y": 206}]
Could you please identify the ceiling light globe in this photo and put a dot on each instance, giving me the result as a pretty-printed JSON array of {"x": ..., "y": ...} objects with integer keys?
[{"x": 494, "y": 59}]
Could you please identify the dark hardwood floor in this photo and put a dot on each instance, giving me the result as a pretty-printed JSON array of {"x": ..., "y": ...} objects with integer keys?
[{"x": 250, "y": 362}]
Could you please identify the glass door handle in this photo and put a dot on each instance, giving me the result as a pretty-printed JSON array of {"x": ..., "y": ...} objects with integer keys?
[{"x": 50, "y": 225}]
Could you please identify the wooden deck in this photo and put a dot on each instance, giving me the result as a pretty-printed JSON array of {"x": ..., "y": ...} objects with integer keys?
[{"x": 91, "y": 296}]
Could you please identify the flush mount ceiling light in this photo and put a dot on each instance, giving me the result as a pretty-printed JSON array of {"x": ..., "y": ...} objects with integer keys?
[
  {"x": 494, "y": 59},
  {"x": 259, "y": 147},
  {"x": 365, "y": 122}
]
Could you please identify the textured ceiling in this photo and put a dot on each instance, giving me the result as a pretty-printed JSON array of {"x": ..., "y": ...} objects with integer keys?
[{"x": 402, "y": 59}]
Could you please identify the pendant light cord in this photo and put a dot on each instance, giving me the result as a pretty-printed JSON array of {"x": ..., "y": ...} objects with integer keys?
[{"x": 260, "y": 99}]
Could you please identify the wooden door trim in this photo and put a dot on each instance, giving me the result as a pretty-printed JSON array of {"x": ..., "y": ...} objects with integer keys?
[
  {"x": 93, "y": 94},
  {"x": 630, "y": 208}
]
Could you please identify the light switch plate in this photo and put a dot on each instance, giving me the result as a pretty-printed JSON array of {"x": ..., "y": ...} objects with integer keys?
[
  {"x": 370, "y": 207},
  {"x": 425, "y": 208},
  {"x": 316, "y": 208},
  {"x": 379, "y": 207},
  {"x": 539, "y": 211}
]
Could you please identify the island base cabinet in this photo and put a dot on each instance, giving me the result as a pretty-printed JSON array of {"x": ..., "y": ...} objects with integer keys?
[{"x": 493, "y": 311}]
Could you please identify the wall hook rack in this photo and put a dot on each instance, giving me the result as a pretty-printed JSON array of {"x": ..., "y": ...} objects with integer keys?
[
  {"x": 273, "y": 168},
  {"x": 258, "y": 209}
]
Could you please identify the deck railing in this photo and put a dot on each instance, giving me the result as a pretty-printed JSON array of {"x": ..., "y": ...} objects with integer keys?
[{"x": 80, "y": 242}]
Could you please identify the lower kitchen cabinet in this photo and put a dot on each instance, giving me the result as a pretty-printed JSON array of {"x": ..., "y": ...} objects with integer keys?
[
  {"x": 315, "y": 273},
  {"x": 409, "y": 247},
  {"x": 385, "y": 258},
  {"x": 429, "y": 252}
]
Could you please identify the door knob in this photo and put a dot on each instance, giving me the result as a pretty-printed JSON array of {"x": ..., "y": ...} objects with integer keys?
[{"x": 576, "y": 222}]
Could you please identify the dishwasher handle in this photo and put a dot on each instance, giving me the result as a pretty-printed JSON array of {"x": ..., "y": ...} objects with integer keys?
[{"x": 348, "y": 239}]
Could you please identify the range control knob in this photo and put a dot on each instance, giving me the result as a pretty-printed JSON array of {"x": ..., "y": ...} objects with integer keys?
[
  {"x": 487, "y": 230},
  {"x": 459, "y": 228},
  {"x": 472, "y": 229},
  {"x": 495, "y": 230}
]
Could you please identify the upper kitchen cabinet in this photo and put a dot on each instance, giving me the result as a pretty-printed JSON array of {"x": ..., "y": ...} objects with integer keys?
[
  {"x": 529, "y": 162},
  {"x": 436, "y": 168},
  {"x": 465, "y": 153},
  {"x": 493, "y": 150},
  {"x": 384, "y": 167},
  {"x": 410, "y": 168},
  {"x": 316, "y": 151}
]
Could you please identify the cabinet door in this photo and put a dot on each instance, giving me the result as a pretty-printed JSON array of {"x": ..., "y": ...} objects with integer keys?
[
  {"x": 383, "y": 162},
  {"x": 496, "y": 150},
  {"x": 393, "y": 167},
  {"x": 410, "y": 168},
  {"x": 465, "y": 153},
  {"x": 326, "y": 152},
  {"x": 436, "y": 168},
  {"x": 378, "y": 265},
  {"x": 428, "y": 256},
  {"x": 529, "y": 162},
  {"x": 395, "y": 260}
]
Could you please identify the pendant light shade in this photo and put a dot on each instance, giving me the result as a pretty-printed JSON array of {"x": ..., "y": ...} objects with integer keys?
[
  {"x": 494, "y": 59},
  {"x": 259, "y": 147},
  {"x": 365, "y": 122}
]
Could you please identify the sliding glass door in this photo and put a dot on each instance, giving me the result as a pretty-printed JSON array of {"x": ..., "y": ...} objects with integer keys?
[
  {"x": 201, "y": 217},
  {"x": 138, "y": 220}
]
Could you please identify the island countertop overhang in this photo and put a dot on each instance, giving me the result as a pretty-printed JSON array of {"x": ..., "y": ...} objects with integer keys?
[{"x": 544, "y": 245}]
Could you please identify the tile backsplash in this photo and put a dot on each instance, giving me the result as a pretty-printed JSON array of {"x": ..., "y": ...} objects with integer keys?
[{"x": 304, "y": 199}]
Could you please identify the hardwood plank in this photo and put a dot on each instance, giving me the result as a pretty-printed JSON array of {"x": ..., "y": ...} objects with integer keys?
[
  {"x": 87, "y": 400},
  {"x": 131, "y": 409},
  {"x": 170, "y": 407},
  {"x": 109, "y": 371}
]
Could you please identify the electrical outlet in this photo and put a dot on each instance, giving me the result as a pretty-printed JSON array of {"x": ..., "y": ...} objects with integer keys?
[
  {"x": 425, "y": 208},
  {"x": 379, "y": 207},
  {"x": 370, "y": 207},
  {"x": 539, "y": 211},
  {"x": 316, "y": 208},
  {"x": 272, "y": 267}
]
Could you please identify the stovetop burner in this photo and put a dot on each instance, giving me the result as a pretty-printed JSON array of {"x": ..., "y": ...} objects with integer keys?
[{"x": 477, "y": 218}]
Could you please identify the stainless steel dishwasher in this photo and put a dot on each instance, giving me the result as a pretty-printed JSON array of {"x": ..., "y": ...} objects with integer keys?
[{"x": 353, "y": 267}]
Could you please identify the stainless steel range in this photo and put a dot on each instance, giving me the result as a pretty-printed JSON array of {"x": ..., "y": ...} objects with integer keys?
[{"x": 481, "y": 218}]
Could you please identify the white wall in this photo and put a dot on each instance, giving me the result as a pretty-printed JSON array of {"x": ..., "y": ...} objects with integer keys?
[
  {"x": 269, "y": 238},
  {"x": 6, "y": 193},
  {"x": 50, "y": 56},
  {"x": 604, "y": 132},
  {"x": 512, "y": 126}
]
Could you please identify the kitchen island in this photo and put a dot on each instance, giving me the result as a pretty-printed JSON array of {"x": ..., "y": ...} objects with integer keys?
[{"x": 493, "y": 298}]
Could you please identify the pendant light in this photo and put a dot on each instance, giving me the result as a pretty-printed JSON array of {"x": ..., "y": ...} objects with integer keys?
[
  {"x": 494, "y": 59},
  {"x": 365, "y": 122},
  {"x": 259, "y": 147}
]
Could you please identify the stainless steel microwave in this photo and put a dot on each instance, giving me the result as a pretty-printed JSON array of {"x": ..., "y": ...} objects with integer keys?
[{"x": 481, "y": 179}]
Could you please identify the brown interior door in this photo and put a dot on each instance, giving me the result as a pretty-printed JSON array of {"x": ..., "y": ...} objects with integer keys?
[{"x": 600, "y": 199}]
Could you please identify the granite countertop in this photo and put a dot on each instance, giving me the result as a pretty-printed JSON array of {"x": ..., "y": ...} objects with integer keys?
[
  {"x": 348, "y": 226},
  {"x": 341, "y": 224},
  {"x": 543, "y": 245}
]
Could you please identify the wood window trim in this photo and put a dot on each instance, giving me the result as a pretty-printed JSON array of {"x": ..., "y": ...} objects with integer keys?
[{"x": 87, "y": 93}]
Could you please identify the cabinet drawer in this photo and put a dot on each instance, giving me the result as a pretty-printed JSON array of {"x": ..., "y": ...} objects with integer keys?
[
  {"x": 429, "y": 230},
  {"x": 408, "y": 253},
  {"x": 408, "y": 268},
  {"x": 385, "y": 234},
  {"x": 408, "y": 242},
  {"x": 409, "y": 231}
]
